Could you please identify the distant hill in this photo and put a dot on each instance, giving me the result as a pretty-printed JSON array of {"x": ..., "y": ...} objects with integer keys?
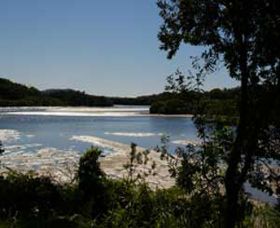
[
  {"x": 216, "y": 101},
  {"x": 15, "y": 94},
  {"x": 14, "y": 91},
  {"x": 72, "y": 97}
]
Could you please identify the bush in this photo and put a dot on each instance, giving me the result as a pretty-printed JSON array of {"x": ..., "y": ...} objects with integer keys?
[
  {"x": 91, "y": 182},
  {"x": 171, "y": 106},
  {"x": 96, "y": 201},
  {"x": 28, "y": 196}
]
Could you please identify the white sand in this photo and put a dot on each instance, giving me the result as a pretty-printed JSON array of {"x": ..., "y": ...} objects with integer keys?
[
  {"x": 113, "y": 163},
  {"x": 134, "y": 134},
  {"x": 62, "y": 165},
  {"x": 9, "y": 135}
]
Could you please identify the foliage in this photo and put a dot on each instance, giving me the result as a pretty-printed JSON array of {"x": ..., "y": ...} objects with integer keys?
[
  {"x": 89, "y": 173},
  {"x": 243, "y": 36},
  {"x": 1, "y": 148},
  {"x": 181, "y": 97},
  {"x": 91, "y": 182},
  {"x": 171, "y": 106},
  {"x": 262, "y": 216},
  {"x": 14, "y": 94},
  {"x": 181, "y": 101},
  {"x": 27, "y": 195},
  {"x": 136, "y": 159},
  {"x": 28, "y": 200},
  {"x": 71, "y": 97}
]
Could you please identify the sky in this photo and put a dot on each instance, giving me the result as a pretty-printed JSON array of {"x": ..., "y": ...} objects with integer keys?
[{"x": 104, "y": 47}]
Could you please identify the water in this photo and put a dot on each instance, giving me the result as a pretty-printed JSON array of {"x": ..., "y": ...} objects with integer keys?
[
  {"x": 30, "y": 129},
  {"x": 54, "y": 127}
]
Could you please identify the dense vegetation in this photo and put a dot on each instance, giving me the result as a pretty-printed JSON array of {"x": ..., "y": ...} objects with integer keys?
[
  {"x": 14, "y": 94},
  {"x": 216, "y": 101},
  {"x": 95, "y": 200},
  {"x": 243, "y": 37},
  {"x": 71, "y": 97},
  {"x": 219, "y": 101}
]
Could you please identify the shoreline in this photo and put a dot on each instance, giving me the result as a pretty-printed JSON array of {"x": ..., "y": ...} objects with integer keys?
[
  {"x": 114, "y": 111},
  {"x": 113, "y": 163},
  {"x": 62, "y": 166}
]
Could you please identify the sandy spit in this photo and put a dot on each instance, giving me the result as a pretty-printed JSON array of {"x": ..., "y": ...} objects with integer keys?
[
  {"x": 113, "y": 163},
  {"x": 62, "y": 165}
]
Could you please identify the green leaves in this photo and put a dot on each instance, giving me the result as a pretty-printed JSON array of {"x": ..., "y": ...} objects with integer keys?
[{"x": 1, "y": 148}]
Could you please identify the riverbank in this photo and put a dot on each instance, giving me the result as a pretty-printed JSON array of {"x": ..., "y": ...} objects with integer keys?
[
  {"x": 62, "y": 165},
  {"x": 115, "y": 111},
  {"x": 25, "y": 151}
]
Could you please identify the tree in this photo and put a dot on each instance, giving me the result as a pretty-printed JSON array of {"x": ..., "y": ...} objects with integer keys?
[
  {"x": 91, "y": 181},
  {"x": 244, "y": 35},
  {"x": 1, "y": 148},
  {"x": 176, "y": 83}
]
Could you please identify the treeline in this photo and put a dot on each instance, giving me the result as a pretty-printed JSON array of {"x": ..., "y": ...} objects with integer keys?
[
  {"x": 216, "y": 102},
  {"x": 71, "y": 97},
  {"x": 219, "y": 101},
  {"x": 14, "y": 94},
  {"x": 141, "y": 100}
]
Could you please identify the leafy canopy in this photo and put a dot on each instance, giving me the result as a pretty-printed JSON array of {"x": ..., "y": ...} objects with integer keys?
[{"x": 226, "y": 28}]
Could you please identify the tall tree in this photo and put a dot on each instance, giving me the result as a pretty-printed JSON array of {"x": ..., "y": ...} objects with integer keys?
[{"x": 244, "y": 35}]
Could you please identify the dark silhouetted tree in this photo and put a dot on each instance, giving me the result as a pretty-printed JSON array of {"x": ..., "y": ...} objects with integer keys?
[
  {"x": 244, "y": 35},
  {"x": 91, "y": 181}
]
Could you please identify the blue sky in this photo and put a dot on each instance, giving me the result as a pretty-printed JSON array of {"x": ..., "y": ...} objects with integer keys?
[{"x": 103, "y": 47}]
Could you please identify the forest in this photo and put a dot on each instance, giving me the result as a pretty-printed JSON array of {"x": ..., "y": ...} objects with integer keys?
[{"x": 219, "y": 101}]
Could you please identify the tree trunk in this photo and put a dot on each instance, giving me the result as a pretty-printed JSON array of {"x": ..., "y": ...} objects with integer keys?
[{"x": 233, "y": 183}]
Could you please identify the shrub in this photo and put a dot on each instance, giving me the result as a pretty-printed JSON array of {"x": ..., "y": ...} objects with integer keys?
[{"x": 91, "y": 182}]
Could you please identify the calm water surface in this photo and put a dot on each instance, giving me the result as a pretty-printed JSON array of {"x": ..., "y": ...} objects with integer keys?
[
  {"x": 54, "y": 127},
  {"x": 31, "y": 129}
]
